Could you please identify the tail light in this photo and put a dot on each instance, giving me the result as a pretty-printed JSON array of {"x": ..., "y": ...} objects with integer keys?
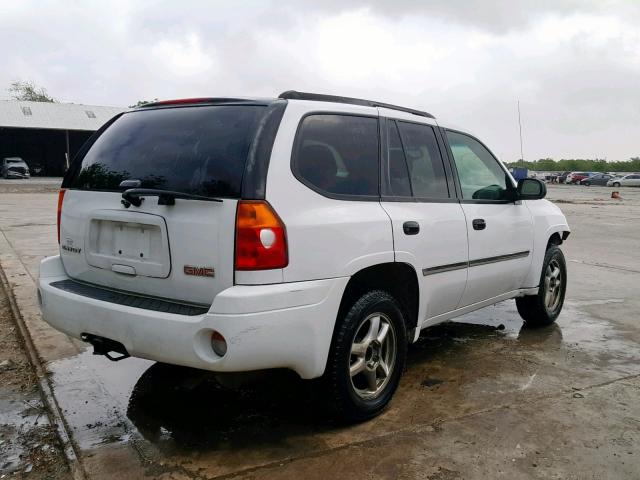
[
  {"x": 261, "y": 239},
  {"x": 60, "y": 200}
]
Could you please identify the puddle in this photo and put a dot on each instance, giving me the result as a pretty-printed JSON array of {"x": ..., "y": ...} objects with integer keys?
[
  {"x": 93, "y": 394},
  {"x": 574, "y": 329},
  {"x": 502, "y": 317},
  {"x": 177, "y": 410},
  {"x": 603, "y": 342},
  {"x": 21, "y": 418},
  {"x": 431, "y": 382}
]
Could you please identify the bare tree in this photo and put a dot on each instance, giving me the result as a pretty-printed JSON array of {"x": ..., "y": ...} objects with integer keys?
[{"x": 28, "y": 91}]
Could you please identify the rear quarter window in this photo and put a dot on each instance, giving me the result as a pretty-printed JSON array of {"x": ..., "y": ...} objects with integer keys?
[
  {"x": 337, "y": 155},
  {"x": 200, "y": 150}
]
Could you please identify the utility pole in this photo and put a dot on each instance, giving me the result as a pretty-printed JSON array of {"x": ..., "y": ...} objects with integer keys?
[{"x": 520, "y": 125}]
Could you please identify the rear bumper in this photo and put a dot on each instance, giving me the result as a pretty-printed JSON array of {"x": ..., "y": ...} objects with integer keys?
[{"x": 286, "y": 325}]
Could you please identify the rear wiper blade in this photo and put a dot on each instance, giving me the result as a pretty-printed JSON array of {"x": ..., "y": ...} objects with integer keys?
[{"x": 133, "y": 196}]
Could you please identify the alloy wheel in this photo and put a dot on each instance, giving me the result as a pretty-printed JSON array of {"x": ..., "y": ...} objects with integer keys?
[
  {"x": 553, "y": 285},
  {"x": 373, "y": 356}
]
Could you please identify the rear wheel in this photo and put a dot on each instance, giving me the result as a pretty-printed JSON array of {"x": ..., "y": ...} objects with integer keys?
[
  {"x": 367, "y": 357},
  {"x": 543, "y": 309}
]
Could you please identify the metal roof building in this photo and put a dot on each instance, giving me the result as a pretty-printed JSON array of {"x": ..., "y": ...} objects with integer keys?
[{"x": 47, "y": 135}]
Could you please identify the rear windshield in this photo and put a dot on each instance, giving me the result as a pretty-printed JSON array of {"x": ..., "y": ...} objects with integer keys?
[{"x": 199, "y": 150}]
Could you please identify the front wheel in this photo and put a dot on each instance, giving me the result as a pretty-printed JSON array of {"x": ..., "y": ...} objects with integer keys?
[
  {"x": 616, "y": 184},
  {"x": 543, "y": 309},
  {"x": 367, "y": 357},
  {"x": 587, "y": 184}
]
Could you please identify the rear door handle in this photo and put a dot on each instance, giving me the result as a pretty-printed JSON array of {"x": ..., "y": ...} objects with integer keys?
[
  {"x": 479, "y": 224},
  {"x": 411, "y": 228}
]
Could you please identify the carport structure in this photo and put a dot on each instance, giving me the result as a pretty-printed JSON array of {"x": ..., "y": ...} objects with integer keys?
[{"x": 48, "y": 135}]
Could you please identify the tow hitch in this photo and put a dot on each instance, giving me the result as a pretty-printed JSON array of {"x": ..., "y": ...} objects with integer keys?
[{"x": 104, "y": 346}]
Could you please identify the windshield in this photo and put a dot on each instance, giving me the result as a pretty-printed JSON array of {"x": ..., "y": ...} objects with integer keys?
[
  {"x": 199, "y": 150},
  {"x": 14, "y": 160}
]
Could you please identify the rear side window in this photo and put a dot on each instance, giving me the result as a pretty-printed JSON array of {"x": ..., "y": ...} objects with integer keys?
[
  {"x": 398, "y": 183},
  {"x": 424, "y": 161},
  {"x": 415, "y": 167},
  {"x": 200, "y": 150},
  {"x": 338, "y": 154}
]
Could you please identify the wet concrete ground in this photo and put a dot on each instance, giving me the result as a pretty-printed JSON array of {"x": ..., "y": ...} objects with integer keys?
[
  {"x": 28, "y": 444},
  {"x": 481, "y": 397}
]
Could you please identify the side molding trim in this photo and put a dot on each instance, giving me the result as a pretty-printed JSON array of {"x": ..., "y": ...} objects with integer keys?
[{"x": 474, "y": 263}]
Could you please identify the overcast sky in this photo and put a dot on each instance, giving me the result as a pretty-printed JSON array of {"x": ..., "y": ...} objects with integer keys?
[{"x": 574, "y": 65}]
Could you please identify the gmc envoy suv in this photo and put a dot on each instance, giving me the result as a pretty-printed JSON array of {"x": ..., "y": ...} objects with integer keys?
[{"x": 309, "y": 232}]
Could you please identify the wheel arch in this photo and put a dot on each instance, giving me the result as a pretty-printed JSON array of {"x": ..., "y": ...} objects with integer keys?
[
  {"x": 557, "y": 238},
  {"x": 549, "y": 227},
  {"x": 399, "y": 279}
]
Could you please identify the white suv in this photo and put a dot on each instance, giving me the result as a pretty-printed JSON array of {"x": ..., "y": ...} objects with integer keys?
[
  {"x": 630, "y": 180},
  {"x": 308, "y": 232}
]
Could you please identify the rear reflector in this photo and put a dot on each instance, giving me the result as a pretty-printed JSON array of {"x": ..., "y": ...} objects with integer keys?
[
  {"x": 60, "y": 200},
  {"x": 261, "y": 239},
  {"x": 218, "y": 344}
]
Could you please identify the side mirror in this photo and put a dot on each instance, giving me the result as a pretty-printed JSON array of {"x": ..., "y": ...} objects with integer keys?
[{"x": 531, "y": 189}]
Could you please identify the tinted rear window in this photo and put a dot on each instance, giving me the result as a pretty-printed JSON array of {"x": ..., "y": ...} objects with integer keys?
[
  {"x": 200, "y": 150},
  {"x": 338, "y": 154},
  {"x": 426, "y": 169}
]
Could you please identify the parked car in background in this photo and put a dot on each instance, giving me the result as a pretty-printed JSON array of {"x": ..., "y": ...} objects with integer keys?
[
  {"x": 552, "y": 177},
  {"x": 575, "y": 177},
  {"x": 597, "y": 179},
  {"x": 35, "y": 168},
  {"x": 631, "y": 180},
  {"x": 569, "y": 177},
  {"x": 276, "y": 234},
  {"x": 562, "y": 178},
  {"x": 14, "y": 167}
]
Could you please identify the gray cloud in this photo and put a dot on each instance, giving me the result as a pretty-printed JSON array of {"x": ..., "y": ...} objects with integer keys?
[
  {"x": 494, "y": 15},
  {"x": 574, "y": 65}
]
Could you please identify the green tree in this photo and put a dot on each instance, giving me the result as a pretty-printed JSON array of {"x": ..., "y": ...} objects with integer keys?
[
  {"x": 580, "y": 164},
  {"x": 29, "y": 92}
]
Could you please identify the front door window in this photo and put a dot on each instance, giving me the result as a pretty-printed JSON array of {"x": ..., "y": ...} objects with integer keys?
[{"x": 481, "y": 177}]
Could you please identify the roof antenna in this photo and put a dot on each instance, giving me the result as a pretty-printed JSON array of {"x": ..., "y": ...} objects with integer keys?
[{"x": 520, "y": 125}]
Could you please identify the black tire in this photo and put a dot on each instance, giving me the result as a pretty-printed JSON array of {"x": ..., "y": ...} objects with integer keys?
[
  {"x": 534, "y": 309},
  {"x": 347, "y": 404},
  {"x": 588, "y": 184},
  {"x": 616, "y": 184}
]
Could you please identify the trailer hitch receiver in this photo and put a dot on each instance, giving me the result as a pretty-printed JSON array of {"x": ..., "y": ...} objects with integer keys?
[{"x": 106, "y": 346}]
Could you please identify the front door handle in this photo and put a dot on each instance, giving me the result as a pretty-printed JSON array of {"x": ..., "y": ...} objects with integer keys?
[
  {"x": 479, "y": 224},
  {"x": 411, "y": 228}
]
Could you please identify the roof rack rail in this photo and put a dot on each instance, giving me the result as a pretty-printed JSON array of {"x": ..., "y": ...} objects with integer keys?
[
  {"x": 189, "y": 101},
  {"x": 294, "y": 95}
]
